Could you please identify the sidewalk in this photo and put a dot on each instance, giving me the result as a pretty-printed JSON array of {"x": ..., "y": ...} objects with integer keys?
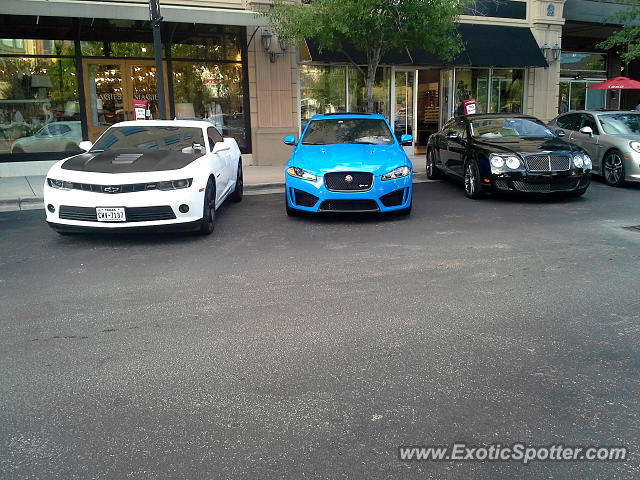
[{"x": 25, "y": 193}]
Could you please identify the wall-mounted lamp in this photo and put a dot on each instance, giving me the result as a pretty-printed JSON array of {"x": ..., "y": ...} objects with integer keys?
[
  {"x": 551, "y": 54},
  {"x": 266, "y": 44}
]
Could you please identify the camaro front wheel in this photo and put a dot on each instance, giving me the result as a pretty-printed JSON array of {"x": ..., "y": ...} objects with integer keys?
[
  {"x": 208, "y": 210},
  {"x": 236, "y": 196}
]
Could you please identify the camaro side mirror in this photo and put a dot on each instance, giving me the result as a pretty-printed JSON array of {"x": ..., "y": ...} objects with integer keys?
[
  {"x": 587, "y": 131},
  {"x": 197, "y": 148},
  {"x": 85, "y": 145},
  {"x": 290, "y": 140},
  {"x": 560, "y": 132},
  {"x": 406, "y": 139}
]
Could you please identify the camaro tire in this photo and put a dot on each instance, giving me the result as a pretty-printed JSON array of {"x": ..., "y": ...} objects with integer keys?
[
  {"x": 238, "y": 192},
  {"x": 432, "y": 171},
  {"x": 613, "y": 168},
  {"x": 208, "y": 210},
  {"x": 472, "y": 180}
]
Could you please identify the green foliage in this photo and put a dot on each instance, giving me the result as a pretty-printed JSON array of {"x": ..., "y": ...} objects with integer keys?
[
  {"x": 373, "y": 27},
  {"x": 625, "y": 41}
]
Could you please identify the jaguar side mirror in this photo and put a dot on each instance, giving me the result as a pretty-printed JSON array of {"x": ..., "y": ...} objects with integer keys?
[
  {"x": 587, "y": 131},
  {"x": 406, "y": 139},
  {"x": 290, "y": 140},
  {"x": 560, "y": 133},
  {"x": 85, "y": 145}
]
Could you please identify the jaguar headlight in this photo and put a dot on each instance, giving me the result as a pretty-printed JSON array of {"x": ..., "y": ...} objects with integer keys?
[
  {"x": 173, "y": 184},
  {"x": 578, "y": 160},
  {"x": 513, "y": 162},
  {"x": 496, "y": 161},
  {"x": 59, "y": 184},
  {"x": 300, "y": 173},
  {"x": 635, "y": 146},
  {"x": 396, "y": 173}
]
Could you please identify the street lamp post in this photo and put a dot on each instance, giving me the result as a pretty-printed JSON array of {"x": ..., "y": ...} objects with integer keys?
[{"x": 156, "y": 20}]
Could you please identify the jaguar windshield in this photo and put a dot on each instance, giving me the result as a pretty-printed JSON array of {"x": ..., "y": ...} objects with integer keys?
[
  {"x": 149, "y": 138},
  {"x": 496, "y": 127},
  {"x": 620, "y": 123},
  {"x": 370, "y": 131}
]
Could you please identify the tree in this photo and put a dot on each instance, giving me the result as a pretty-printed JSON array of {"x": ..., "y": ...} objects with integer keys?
[
  {"x": 628, "y": 37},
  {"x": 372, "y": 27}
]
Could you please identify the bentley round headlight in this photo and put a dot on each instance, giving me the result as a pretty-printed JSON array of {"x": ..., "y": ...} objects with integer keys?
[
  {"x": 587, "y": 162},
  {"x": 578, "y": 161},
  {"x": 496, "y": 161},
  {"x": 513, "y": 162}
]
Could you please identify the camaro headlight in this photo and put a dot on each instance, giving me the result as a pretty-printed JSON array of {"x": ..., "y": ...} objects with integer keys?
[
  {"x": 173, "y": 184},
  {"x": 396, "y": 173},
  {"x": 59, "y": 184},
  {"x": 513, "y": 162},
  {"x": 635, "y": 146},
  {"x": 300, "y": 173},
  {"x": 496, "y": 160},
  {"x": 578, "y": 160}
]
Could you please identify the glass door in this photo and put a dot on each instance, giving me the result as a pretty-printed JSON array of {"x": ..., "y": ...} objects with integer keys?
[
  {"x": 403, "y": 123},
  {"x": 111, "y": 87}
]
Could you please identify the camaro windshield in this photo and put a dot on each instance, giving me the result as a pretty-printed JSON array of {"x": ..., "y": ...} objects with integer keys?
[
  {"x": 509, "y": 127},
  {"x": 372, "y": 131},
  {"x": 620, "y": 123},
  {"x": 149, "y": 138}
]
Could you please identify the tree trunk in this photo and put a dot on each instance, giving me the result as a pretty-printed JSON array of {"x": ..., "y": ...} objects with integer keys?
[{"x": 373, "y": 60}]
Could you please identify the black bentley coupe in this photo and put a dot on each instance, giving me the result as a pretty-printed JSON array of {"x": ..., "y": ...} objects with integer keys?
[{"x": 503, "y": 152}]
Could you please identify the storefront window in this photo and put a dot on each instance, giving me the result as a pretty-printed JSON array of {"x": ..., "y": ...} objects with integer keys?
[
  {"x": 20, "y": 46},
  {"x": 38, "y": 105},
  {"x": 212, "y": 91},
  {"x": 223, "y": 47},
  {"x": 471, "y": 84},
  {"x": 574, "y": 95},
  {"x": 381, "y": 92},
  {"x": 117, "y": 49},
  {"x": 322, "y": 90},
  {"x": 507, "y": 88}
]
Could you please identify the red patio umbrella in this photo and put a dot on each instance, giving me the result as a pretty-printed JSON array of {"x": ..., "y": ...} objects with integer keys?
[{"x": 618, "y": 83}]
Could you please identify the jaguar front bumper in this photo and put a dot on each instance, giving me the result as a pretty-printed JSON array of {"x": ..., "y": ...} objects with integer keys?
[{"x": 383, "y": 196}]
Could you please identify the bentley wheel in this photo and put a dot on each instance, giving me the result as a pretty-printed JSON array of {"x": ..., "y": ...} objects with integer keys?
[
  {"x": 613, "y": 169},
  {"x": 472, "y": 180},
  {"x": 432, "y": 171},
  {"x": 208, "y": 210},
  {"x": 236, "y": 196}
]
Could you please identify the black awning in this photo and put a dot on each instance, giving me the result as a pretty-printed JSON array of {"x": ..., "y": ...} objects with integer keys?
[{"x": 485, "y": 46}]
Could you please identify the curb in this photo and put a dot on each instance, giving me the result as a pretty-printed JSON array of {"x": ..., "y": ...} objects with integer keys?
[{"x": 35, "y": 203}]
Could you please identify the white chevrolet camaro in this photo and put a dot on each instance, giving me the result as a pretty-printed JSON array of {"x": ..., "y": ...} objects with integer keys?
[{"x": 145, "y": 174}]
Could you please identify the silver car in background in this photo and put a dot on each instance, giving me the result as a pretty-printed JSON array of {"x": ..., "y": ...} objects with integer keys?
[{"x": 612, "y": 139}]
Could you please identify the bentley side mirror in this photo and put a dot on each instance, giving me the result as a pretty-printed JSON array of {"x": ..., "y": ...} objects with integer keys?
[
  {"x": 85, "y": 145},
  {"x": 587, "y": 131},
  {"x": 406, "y": 139},
  {"x": 453, "y": 136},
  {"x": 290, "y": 140},
  {"x": 560, "y": 132}
]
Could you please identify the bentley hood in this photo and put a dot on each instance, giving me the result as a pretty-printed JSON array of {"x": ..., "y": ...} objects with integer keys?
[
  {"x": 526, "y": 145},
  {"x": 129, "y": 161},
  {"x": 377, "y": 159}
]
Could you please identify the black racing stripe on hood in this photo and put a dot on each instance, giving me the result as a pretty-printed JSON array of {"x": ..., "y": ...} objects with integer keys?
[{"x": 129, "y": 161}]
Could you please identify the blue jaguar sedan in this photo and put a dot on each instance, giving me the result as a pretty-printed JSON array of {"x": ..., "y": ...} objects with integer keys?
[{"x": 348, "y": 162}]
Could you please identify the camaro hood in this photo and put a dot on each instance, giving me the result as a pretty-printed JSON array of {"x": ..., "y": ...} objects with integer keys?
[
  {"x": 525, "y": 145},
  {"x": 129, "y": 161},
  {"x": 321, "y": 159}
]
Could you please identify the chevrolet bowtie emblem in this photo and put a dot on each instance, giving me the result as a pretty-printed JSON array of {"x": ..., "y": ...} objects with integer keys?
[{"x": 111, "y": 189}]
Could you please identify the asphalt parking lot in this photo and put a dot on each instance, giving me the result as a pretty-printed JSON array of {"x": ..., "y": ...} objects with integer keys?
[{"x": 289, "y": 348}]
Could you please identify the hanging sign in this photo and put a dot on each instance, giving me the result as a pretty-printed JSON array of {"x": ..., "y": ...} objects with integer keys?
[
  {"x": 140, "y": 108},
  {"x": 469, "y": 106}
]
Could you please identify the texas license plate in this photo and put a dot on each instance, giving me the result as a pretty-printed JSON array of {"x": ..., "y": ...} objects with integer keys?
[{"x": 111, "y": 214}]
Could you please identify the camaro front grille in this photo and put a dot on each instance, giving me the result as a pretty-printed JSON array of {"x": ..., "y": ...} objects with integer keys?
[
  {"x": 349, "y": 206},
  {"x": 348, "y": 181},
  {"x": 132, "y": 214},
  {"x": 548, "y": 163}
]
